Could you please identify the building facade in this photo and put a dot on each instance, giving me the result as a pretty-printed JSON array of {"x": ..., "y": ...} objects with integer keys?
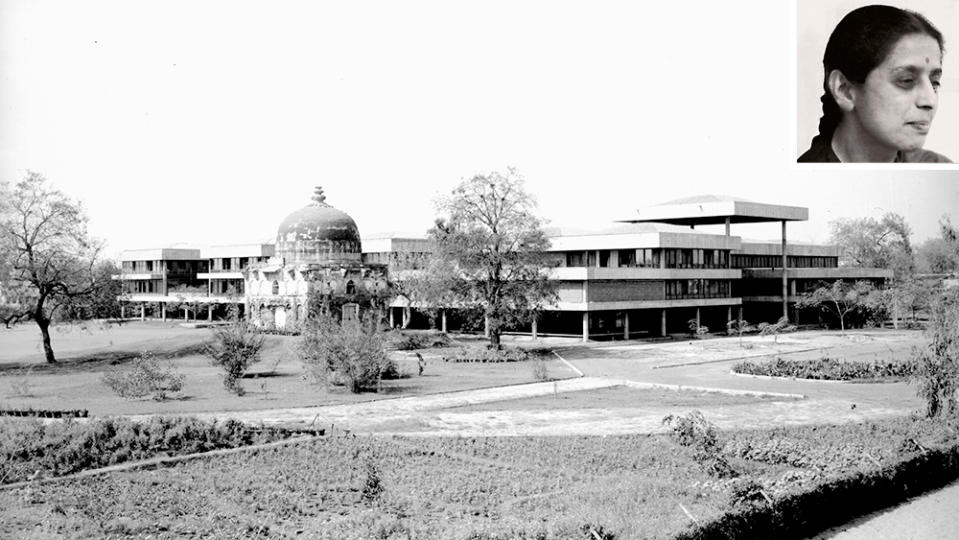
[{"x": 651, "y": 275}]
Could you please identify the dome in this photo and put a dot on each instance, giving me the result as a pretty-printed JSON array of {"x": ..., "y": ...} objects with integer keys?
[{"x": 318, "y": 233}]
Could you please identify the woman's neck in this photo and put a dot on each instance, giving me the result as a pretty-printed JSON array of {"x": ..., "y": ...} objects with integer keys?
[{"x": 853, "y": 144}]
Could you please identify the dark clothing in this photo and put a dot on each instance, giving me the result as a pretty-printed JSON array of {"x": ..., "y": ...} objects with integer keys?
[{"x": 821, "y": 152}]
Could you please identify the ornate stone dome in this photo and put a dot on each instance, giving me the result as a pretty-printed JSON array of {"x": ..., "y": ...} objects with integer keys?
[{"x": 318, "y": 234}]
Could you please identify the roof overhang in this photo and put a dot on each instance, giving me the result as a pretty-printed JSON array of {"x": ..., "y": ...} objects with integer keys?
[{"x": 718, "y": 212}]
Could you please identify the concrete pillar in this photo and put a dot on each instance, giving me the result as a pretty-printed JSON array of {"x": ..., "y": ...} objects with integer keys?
[
  {"x": 785, "y": 281},
  {"x": 698, "y": 324},
  {"x": 727, "y": 225},
  {"x": 209, "y": 312},
  {"x": 163, "y": 310},
  {"x": 662, "y": 259},
  {"x": 792, "y": 288},
  {"x": 585, "y": 326},
  {"x": 729, "y": 314},
  {"x": 443, "y": 319},
  {"x": 534, "y": 330},
  {"x": 123, "y": 311},
  {"x": 186, "y": 314},
  {"x": 407, "y": 316},
  {"x": 740, "y": 316},
  {"x": 143, "y": 311},
  {"x": 392, "y": 325},
  {"x": 662, "y": 324},
  {"x": 626, "y": 325},
  {"x": 597, "y": 258}
]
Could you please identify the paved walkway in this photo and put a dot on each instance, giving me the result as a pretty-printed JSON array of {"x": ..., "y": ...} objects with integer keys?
[
  {"x": 931, "y": 516},
  {"x": 698, "y": 363}
]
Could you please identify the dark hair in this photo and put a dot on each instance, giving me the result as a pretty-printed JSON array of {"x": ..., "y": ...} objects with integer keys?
[{"x": 860, "y": 42}]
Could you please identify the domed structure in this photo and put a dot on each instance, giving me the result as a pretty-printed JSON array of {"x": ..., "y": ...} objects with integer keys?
[{"x": 318, "y": 234}]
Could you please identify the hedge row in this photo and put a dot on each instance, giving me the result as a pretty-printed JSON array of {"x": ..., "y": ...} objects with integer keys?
[
  {"x": 827, "y": 369},
  {"x": 45, "y": 413},
  {"x": 834, "y": 502}
]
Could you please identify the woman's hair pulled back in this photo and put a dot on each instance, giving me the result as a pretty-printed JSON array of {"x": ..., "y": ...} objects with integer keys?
[{"x": 860, "y": 42}]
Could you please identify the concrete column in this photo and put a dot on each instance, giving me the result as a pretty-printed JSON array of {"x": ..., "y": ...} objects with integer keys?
[
  {"x": 662, "y": 324},
  {"x": 626, "y": 325},
  {"x": 443, "y": 319},
  {"x": 143, "y": 311},
  {"x": 163, "y": 310},
  {"x": 209, "y": 312},
  {"x": 792, "y": 288},
  {"x": 662, "y": 259},
  {"x": 407, "y": 316},
  {"x": 727, "y": 225},
  {"x": 534, "y": 330},
  {"x": 392, "y": 325},
  {"x": 186, "y": 314},
  {"x": 585, "y": 326},
  {"x": 740, "y": 317},
  {"x": 697, "y": 318},
  {"x": 123, "y": 311},
  {"x": 597, "y": 258},
  {"x": 729, "y": 314},
  {"x": 785, "y": 284}
]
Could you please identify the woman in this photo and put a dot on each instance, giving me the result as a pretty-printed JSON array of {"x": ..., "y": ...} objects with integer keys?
[{"x": 882, "y": 70}]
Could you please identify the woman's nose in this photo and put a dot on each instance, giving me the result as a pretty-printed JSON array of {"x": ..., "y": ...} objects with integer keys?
[{"x": 926, "y": 96}]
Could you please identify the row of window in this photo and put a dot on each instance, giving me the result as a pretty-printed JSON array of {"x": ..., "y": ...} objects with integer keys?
[
  {"x": 649, "y": 258},
  {"x": 678, "y": 289},
  {"x": 776, "y": 261}
]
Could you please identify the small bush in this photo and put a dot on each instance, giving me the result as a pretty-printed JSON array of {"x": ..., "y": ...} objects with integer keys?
[
  {"x": 695, "y": 432},
  {"x": 937, "y": 364},
  {"x": 372, "y": 485},
  {"x": 235, "y": 347},
  {"x": 540, "y": 372},
  {"x": 145, "y": 377},
  {"x": 349, "y": 353}
]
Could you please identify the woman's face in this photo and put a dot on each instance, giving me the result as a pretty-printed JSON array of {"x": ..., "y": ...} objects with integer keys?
[{"x": 897, "y": 102}]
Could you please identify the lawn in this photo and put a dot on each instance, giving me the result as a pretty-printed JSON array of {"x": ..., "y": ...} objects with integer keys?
[
  {"x": 518, "y": 487},
  {"x": 619, "y": 397},
  {"x": 277, "y": 381}
]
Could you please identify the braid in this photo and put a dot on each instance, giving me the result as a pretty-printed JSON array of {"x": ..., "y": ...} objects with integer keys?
[{"x": 831, "y": 115}]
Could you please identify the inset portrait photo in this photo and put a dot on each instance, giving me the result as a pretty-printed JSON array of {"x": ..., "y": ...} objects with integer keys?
[{"x": 877, "y": 83}]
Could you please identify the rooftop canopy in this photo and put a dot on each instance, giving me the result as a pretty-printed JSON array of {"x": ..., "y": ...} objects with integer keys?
[{"x": 716, "y": 210}]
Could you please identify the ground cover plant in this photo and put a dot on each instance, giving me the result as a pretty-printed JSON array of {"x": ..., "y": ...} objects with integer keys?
[
  {"x": 32, "y": 448},
  {"x": 637, "y": 486},
  {"x": 827, "y": 368},
  {"x": 484, "y": 355}
]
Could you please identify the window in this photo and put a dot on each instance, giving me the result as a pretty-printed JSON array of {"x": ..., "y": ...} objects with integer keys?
[
  {"x": 276, "y": 288},
  {"x": 575, "y": 258},
  {"x": 627, "y": 257},
  {"x": 350, "y": 287},
  {"x": 227, "y": 263},
  {"x": 604, "y": 258}
]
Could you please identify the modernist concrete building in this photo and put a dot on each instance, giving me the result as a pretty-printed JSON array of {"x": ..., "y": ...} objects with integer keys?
[{"x": 649, "y": 275}]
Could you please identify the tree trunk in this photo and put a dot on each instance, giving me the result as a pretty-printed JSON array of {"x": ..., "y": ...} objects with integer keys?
[
  {"x": 44, "y": 325},
  {"x": 494, "y": 341}
]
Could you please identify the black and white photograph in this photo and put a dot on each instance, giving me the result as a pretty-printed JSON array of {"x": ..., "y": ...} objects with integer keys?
[
  {"x": 504, "y": 270},
  {"x": 870, "y": 80}
]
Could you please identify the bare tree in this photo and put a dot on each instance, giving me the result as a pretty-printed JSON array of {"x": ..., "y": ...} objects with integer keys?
[
  {"x": 49, "y": 263},
  {"x": 497, "y": 248},
  {"x": 839, "y": 298}
]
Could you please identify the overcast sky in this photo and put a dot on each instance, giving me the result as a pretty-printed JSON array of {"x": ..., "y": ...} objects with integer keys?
[{"x": 209, "y": 122}]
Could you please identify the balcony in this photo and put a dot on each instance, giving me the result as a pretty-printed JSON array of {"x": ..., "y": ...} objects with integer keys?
[{"x": 220, "y": 274}]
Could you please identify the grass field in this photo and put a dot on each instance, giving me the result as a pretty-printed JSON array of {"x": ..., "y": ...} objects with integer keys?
[
  {"x": 618, "y": 397},
  {"x": 522, "y": 487},
  {"x": 277, "y": 381}
]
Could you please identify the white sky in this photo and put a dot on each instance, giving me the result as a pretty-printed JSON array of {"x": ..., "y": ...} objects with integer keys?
[{"x": 208, "y": 122}]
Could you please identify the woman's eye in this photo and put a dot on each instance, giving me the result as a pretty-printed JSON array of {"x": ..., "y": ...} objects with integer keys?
[{"x": 906, "y": 82}]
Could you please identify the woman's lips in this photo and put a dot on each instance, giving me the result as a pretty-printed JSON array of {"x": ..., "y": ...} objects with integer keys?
[{"x": 922, "y": 126}]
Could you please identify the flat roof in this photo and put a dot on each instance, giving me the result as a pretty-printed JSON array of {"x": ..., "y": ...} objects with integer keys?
[{"x": 715, "y": 210}]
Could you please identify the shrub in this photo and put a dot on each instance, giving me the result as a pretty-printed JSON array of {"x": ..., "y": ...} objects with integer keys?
[
  {"x": 540, "y": 372},
  {"x": 235, "y": 347},
  {"x": 409, "y": 340},
  {"x": 372, "y": 486},
  {"x": 937, "y": 365},
  {"x": 827, "y": 368},
  {"x": 60, "y": 448},
  {"x": 694, "y": 431},
  {"x": 696, "y": 329},
  {"x": 350, "y": 353},
  {"x": 145, "y": 377},
  {"x": 486, "y": 355}
]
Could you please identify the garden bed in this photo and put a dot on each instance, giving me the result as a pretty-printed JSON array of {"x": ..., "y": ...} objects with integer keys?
[
  {"x": 829, "y": 369},
  {"x": 480, "y": 488}
]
